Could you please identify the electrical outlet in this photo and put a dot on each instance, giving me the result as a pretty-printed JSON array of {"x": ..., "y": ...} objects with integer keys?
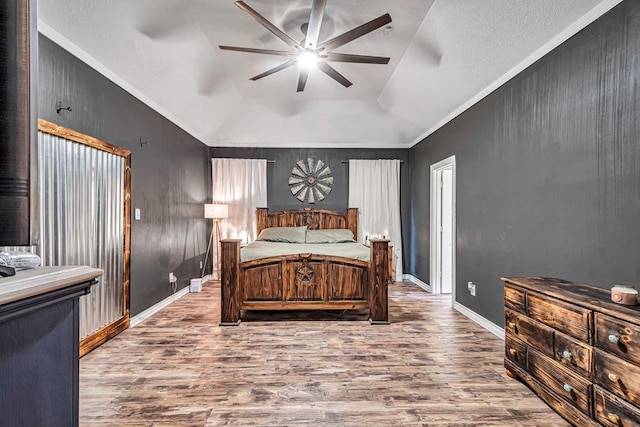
[
  {"x": 172, "y": 278},
  {"x": 200, "y": 265},
  {"x": 472, "y": 288}
]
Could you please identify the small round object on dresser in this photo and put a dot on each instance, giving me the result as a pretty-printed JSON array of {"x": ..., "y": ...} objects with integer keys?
[{"x": 624, "y": 294}]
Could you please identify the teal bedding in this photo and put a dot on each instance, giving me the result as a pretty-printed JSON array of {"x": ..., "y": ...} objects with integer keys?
[{"x": 263, "y": 249}]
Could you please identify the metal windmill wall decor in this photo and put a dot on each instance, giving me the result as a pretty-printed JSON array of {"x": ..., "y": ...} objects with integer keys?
[{"x": 310, "y": 180}]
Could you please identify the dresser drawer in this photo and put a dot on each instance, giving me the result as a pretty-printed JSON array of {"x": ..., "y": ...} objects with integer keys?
[
  {"x": 515, "y": 350},
  {"x": 573, "y": 354},
  {"x": 529, "y": 331},
  {"x": 557, "y": 403},
  {"x": 620, "y": 377},
  {"x": 618, "y": 337},
  {"x": 562, "y": 381},
  {"x": 514, "y": 299},
  {"x": 613, "y": 411},
  {"x": 571, "y": 319}
]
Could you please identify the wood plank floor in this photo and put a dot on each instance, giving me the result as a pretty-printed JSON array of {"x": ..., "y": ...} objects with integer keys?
[{"x": 430, "y": 366}]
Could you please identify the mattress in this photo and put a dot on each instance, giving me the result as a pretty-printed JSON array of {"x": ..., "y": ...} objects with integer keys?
[{"x": 263, "y": 249}]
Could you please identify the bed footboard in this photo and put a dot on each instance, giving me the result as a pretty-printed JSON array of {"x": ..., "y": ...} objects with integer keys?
[{"x": 303, "y": 282}]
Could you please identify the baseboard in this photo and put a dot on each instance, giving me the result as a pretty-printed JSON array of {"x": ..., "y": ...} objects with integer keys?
[
  {"x": 411, "y": 278},
  {"x": 487, "y": 324},
  {"x": 138, "y": 318}
]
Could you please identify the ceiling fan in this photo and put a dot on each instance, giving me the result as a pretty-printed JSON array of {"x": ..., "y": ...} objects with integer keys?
[{"x": 309, "y": 53}]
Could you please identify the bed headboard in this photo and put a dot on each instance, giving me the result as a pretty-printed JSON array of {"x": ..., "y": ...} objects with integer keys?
[{"x": 313, "y": 218}]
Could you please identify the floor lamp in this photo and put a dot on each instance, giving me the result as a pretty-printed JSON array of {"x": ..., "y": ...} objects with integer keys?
[{"x": 216, "y": 212}]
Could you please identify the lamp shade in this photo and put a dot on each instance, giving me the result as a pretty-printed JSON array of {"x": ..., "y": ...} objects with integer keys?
[{"x": 216, "y": 211}]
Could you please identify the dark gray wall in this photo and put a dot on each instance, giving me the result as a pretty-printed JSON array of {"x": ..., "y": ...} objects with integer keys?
[
  {"x": 548, "y": 170},
  {"x": 280, "y": 198},
  {"x": 170, "y": 174}
]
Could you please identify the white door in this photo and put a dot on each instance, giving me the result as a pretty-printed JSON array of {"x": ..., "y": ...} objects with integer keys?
[
  {"x": 442, "y": 263},
  {"x": 446, "y": 240}
]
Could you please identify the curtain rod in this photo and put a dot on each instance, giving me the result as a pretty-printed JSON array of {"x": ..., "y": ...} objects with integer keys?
[
  {"x": 344, "y": 161},
  {"x": 347, "y": 161}
]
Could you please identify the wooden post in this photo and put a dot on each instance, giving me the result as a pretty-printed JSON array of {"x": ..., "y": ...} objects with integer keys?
[
  {"x": 390, "y": 267},
  {"x": 378, "y": 281},
  {"x": 352, "y": 221},
  {"x": 261, "y": 219},
  {"x": 230, "y": 282}
]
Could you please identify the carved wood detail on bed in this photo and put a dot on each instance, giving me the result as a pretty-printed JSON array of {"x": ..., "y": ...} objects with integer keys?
[
  {"x": 304, "y": 281},
  {"x": 314, "y": 219}
]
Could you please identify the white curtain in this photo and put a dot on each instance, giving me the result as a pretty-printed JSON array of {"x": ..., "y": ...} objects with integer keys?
[
  {"x": 374, "y": 188},
  {"x": 241, "y": 184}
]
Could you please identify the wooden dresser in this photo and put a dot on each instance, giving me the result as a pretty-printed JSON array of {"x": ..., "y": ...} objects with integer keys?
[{"x": 575, "y": 348}]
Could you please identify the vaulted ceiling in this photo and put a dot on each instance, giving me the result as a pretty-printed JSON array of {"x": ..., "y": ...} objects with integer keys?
[{"x": 445, "y": 55}]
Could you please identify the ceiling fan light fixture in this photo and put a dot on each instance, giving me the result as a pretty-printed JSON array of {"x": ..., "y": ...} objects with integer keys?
[
  {"x": 308, "y": 59},
  {"x": 309, "y": 54}
]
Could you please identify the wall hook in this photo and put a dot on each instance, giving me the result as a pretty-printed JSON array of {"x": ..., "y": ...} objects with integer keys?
[
  {"x": 143, "y": 143},
  {"x": 59, "y": 107}
]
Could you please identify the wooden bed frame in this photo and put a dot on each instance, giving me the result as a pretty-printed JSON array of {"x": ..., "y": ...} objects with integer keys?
[{"x": 305, "y": 281}]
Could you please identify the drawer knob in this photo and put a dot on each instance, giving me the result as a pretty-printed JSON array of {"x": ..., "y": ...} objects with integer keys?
[
  {"x": 614, "y": 339},
  {"x": 566, "y": 354},
  {"x": 613, "y": 378},
  {"x": 513, "y": 351},
  {"x": 567, "y": 388},
  {"x": 613, "y": 418},
  {"x": 512, "y": 324}
]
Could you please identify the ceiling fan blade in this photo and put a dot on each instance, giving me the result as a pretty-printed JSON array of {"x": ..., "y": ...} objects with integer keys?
[
  {"x": 276, "y": 69},
  {"x": 362, "y": 59},
  {"x": 360, "y": 31},
  {"x": 315, "y": 21},
  {"x": 268, "y": 25},
  {"x": 263, "y": 51},
  {"x": 334, "y": 74},
  {"x": 302, "y": 80}
]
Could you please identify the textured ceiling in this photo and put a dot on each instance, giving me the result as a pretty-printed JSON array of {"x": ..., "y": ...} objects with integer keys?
[{"x": 445, "y": 55}]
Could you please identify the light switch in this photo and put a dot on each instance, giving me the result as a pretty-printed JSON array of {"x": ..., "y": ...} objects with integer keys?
[{"x": 137, "y": 214}]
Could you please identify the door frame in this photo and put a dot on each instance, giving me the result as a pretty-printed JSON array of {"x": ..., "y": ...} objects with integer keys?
[
  {"x": 435, "y": 196},
  {"x": 107, "y": 332}
]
